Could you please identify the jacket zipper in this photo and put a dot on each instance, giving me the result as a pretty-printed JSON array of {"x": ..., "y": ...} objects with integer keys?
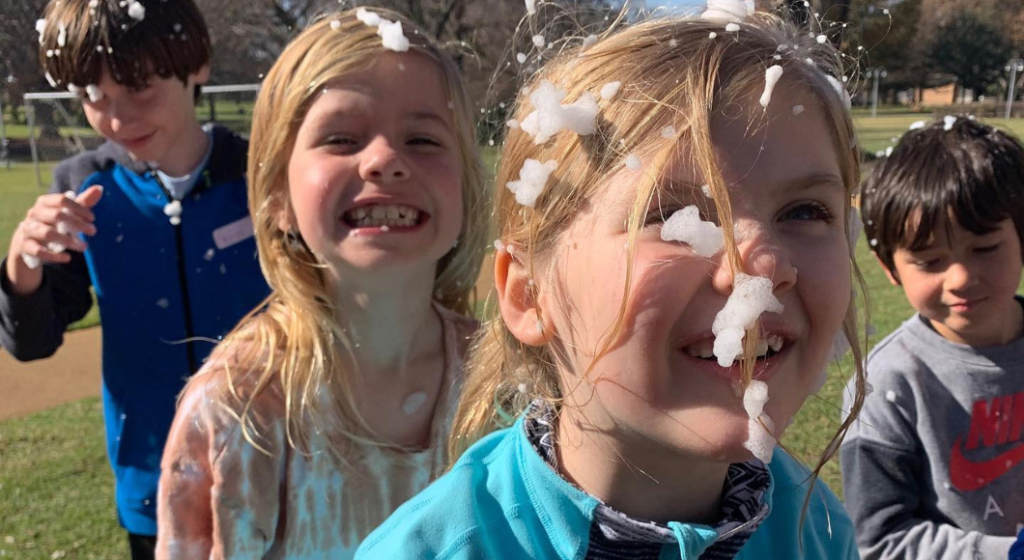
[{"x": 179, "y": 241}]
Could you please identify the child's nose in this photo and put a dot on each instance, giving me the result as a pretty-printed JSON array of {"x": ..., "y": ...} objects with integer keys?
[
  {"x": 958, "y": 277},
  {"x": 758, "y": 256},
  {"x": 381, "y": 162}
]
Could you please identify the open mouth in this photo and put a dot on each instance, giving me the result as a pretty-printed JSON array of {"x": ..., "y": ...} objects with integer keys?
[
  {"x": 390, "y": 216},
  {"x": 767, "y": 347}
]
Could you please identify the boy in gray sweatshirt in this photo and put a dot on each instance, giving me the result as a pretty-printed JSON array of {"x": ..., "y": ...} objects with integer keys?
[{"x": 934, "y": 467}]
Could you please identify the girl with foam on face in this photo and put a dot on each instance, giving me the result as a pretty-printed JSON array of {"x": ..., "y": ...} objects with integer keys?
[
  {"x": 708, "y": 195},
  {"x": 329, "y": 405}
]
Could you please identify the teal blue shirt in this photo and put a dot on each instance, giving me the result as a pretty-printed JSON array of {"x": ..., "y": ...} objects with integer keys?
[{"x": 501, "y": 500}]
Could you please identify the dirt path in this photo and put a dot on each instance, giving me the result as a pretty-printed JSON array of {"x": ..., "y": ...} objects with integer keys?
[{"x": 71, "y": 374}]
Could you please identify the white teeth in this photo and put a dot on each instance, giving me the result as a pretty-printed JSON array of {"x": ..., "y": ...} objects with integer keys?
[
  {"x": 703, "y": 349},
  {"x": 774, "y": 342},
  {"x": 393, "y": 215},
  {"x": 762, "y": 347}
]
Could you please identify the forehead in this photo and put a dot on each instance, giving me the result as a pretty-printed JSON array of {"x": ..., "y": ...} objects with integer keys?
[
  {"x": 392, "y": 81},
  {"x": 757, "y": 146}
]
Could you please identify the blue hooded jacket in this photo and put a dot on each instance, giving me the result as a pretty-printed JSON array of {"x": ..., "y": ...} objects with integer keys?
[
  {"x": 502, "y": 500},
  {"x": 166, "y": 293}
]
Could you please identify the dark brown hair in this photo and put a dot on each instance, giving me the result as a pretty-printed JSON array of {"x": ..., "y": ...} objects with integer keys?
[
  {"x": 972, "y": 172},
  {"x": 171, "y": 40}
]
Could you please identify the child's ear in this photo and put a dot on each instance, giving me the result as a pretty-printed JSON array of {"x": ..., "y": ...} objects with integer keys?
[
  {"x": 280, "y": 208},
  {"x": 891, "y": 275},
  {"x": 517, "y": 300},
  {"x": 202, "y": 75}
]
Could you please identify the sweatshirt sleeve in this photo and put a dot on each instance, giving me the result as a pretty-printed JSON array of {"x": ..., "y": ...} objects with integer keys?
[
  {"x": 32, "y": 327},
  {"x": 883, "y": 476},
  {"x": 219, "y": 496}
]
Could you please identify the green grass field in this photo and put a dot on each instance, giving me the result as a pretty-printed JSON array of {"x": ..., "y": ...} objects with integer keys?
[
  {"x": 56, "y": 491},
  {"x": 18, "y": 191}
]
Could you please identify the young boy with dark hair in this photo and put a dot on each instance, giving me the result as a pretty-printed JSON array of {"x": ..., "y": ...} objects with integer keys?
[
  {"x": 934, "y": 467},
  {"x": 170, "y": 253}
]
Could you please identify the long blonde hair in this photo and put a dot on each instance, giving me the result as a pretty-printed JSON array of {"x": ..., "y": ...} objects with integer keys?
[
  {"x": 293, "y": 342},
  {"x": 674, "y": 72}
]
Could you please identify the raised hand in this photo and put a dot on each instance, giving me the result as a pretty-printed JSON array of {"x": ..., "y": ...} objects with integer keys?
[{"x": 49, "y": 228}]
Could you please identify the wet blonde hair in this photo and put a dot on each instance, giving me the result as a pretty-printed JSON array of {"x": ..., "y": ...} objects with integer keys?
[
  {"x": 673, "y": 73},
  {"x": 293, "y": 341}
]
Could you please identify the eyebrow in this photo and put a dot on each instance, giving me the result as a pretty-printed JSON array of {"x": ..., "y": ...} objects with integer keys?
[
  {"x": 429, "y": 116},
  {"x": 815, "y": 180}
]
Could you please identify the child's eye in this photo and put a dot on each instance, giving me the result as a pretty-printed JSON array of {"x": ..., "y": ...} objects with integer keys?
[
  {"x": 987, "y": 249},
  {"x": 657, "y": 216},
  {"x": 810, "y": 211},
  {"x": 339, "y": 141},
  {"x": 423, "y": 141},
  {"x": 927, "y": 264}
]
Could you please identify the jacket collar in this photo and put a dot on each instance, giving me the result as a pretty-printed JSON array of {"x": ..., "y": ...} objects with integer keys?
[{"x": 567, "y": 513}]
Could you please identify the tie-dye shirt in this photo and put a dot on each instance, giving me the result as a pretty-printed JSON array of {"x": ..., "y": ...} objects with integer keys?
[{"x": 220, "y": 497}]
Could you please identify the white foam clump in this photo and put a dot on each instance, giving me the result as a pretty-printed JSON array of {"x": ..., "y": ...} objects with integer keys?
[
  {"x": 550, "y": 116},
  {"x": 668, "y": 132},
  {"x": 499, "y": 245},
  {"x": 760, "y": 439},
  {"x": 712, "y": 35},
  {"x": 760, "y": 442},
  {"x": 797, "y": 109},
  {"x": 917, "y": 125},
  {"x": 771, "y": 77},
  {"x": 538, "y": 41},
  {"x": 390, "y": 32},
  {"x": 512, "y": 123},
  {"x": 890, "y": 396},
  {"x": 41, "y": 29},
  {"x": 94, "y": 92},
  {"x": 62, "y": 228},
  {"x": 335, "y": 25},
  {"x": 173, "y": 210},
  {"x": 755, "y": 397},
  {"x": 609, "y": 90},
  {"x": 49, "y": 78},
  {"x": 947, "y": 122},
  {"x": 62, "y": 35},
  {"x": 705, "y": 238},
  {"x": 728, "y": 10},
  {"x": 136, "y": 11},
  {"x": 589, "y": 41},
  {"x": 751, "y": 296},
  {"x": 633, "y": 162},
  {"x": 391, "y": 35},
  {"x": 821, "y": 39},
  {"x": 841, "y": 90},
  {"x": 732, "y": 28},
  {"x": 521, "y": 58},
  {"x": 532, "y": 178},
  {"x": 369, "y": 18},
  {"x": 531, "y": 7},
  {"x": 31, "y": 261}
]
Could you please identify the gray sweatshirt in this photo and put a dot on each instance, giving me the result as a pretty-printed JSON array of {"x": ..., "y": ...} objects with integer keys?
[{"x": 934, "y": 466}]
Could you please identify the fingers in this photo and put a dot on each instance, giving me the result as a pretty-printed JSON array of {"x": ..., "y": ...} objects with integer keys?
[
  {"x": 55, "y": 239},
  {"x": 90, "y": 196},
  {"x": 53, "y": 211},
  {"x": 32, "y": 249}
]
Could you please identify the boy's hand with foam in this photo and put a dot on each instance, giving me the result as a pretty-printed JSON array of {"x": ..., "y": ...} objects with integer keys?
[{"x": 50, "y": 228}]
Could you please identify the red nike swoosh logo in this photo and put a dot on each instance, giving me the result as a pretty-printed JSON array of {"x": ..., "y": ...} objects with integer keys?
[{"x": 968, "y": 476}]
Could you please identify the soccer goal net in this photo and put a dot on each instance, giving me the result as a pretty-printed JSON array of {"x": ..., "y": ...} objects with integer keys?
[{"x": 58, "y": 129}]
